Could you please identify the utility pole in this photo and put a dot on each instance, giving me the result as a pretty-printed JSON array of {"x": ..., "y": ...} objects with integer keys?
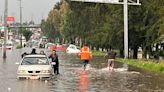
[
  {"x": 126, "y": 51},
  {"x": 0, "y": 25},
  {"x": 5, "y": 28},
  {"x": 1, "y": 19},
  {"x": 20, "y": 23}
]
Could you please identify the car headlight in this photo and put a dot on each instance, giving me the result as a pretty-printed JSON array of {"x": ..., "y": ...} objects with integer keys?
[
  {"x": 21, "y": 71},
  {"x": 45, "y": 71}
]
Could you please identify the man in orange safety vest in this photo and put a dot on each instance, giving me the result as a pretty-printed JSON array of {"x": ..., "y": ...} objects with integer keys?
[{"x": 85, "y": 54}]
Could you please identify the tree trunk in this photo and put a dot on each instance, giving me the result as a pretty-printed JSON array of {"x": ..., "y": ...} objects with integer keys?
[
  {"x": 135, "y": 52},
  {"x": 121, "y": 53},
  {"x": 144, "y": 52},
  {"x": 102, "y": 49},
  {"x": 97, "y": 48},
  {"x": 92, "y": 48}
]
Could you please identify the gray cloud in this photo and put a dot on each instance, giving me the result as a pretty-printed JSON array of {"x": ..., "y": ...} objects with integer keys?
[{"x": 32, "y": 9}]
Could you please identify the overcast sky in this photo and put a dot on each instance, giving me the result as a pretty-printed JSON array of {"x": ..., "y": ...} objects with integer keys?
[{"x": 32, "y": 9}]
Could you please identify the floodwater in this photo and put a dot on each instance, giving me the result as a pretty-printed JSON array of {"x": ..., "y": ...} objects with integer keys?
[{"x": 72, "y": 78}]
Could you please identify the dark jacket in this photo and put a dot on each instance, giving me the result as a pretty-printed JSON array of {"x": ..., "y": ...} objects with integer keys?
[
  {"x": 54, "y": 58},
  {"x": 111, "y": 55},
  {"x": 24, "y": 54},
  {"x": 33, "y": 51}
]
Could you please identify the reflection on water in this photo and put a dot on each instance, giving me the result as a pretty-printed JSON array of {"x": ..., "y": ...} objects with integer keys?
[
  {"x": 73, "y": 78},
  {"x": 84, "y": 81}
]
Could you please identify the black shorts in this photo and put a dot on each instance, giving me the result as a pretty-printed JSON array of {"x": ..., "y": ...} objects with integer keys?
[{"x": 86, "y": 61}]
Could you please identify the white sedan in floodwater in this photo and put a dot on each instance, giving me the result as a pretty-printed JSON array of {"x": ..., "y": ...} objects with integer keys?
[
  {"x": 34, "y": 66},
  {"x": 73, "y": 49}
]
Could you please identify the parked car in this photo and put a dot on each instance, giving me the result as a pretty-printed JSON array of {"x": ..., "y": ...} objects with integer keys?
[
  {"x": 49, "y": 45},
  {"x": 73, "y": 49},
  {"x": 34, "y": 66},
  {"x": 9, "y": 45},
  {"x": 58, "y": 48}
]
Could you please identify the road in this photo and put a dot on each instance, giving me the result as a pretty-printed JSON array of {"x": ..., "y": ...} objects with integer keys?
[{"x": 73, "y": 79}]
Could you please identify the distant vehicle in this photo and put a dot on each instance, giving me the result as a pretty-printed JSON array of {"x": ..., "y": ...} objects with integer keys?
[
  {"x": 9, "y": 45},
  {"x": 33, "y": 43},
  {"x": 43, "y": 42},
  {"x": 73, "y": 49},
  {"x": 49, "y": 45},
  {"x": 34, "y": 66},
  {"x": 60, "y": 48},
  {"x": 64, "y": 47}
]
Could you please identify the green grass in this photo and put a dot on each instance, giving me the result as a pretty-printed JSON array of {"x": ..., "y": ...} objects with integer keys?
[
  {"x": 150, "y": 65},
  {"x": 98, "y": 53}
]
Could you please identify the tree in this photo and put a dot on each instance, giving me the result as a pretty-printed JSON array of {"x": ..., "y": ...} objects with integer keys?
[
  {"x": 101, "y": 25},
  {"x": 26, "y": 33}
]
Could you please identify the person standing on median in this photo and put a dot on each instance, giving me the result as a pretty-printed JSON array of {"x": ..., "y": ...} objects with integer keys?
[{"x": 54, "y": 61}]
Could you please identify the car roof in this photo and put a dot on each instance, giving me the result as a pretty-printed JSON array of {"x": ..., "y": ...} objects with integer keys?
[
  {"x": 35, "y": 55},
  {"x": 72, "y": 45}
]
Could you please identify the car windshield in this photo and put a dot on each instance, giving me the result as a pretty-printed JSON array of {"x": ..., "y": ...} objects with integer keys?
[
  {"x": 72, "y": 47},
  {"x": 8, "y": 44},
  {"x": 78, "y": 47},
  {"x": 35, "y": 61}
]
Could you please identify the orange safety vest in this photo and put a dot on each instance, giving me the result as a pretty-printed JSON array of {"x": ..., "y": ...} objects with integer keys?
[{"x": 85, "y": 53}]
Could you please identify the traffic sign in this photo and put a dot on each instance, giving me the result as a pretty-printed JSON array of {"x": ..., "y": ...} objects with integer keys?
[{"x": 10, "y": 18}]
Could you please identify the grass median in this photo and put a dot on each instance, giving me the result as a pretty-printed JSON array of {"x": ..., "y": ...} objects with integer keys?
[
  {"x": 150, "y": 65},
  {"x": 98, "y": 53}
]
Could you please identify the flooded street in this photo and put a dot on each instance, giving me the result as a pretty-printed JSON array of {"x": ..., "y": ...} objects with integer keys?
[{"x": 72, "y": 78}]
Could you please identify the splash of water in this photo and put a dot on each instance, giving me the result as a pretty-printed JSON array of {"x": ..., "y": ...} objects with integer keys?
[
  {"x": 124, "y": 68},
  {"x": 9, "y": 89}
]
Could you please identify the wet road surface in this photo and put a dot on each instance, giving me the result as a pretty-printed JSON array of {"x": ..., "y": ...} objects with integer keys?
[{"x": 72, "y": 78}]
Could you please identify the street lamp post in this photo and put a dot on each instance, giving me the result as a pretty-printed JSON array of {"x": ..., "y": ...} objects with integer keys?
[
  {"x": 20, "y": 23},
  {"x": 126, "y": 51},
  {"x": 5, "y": 28}
]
